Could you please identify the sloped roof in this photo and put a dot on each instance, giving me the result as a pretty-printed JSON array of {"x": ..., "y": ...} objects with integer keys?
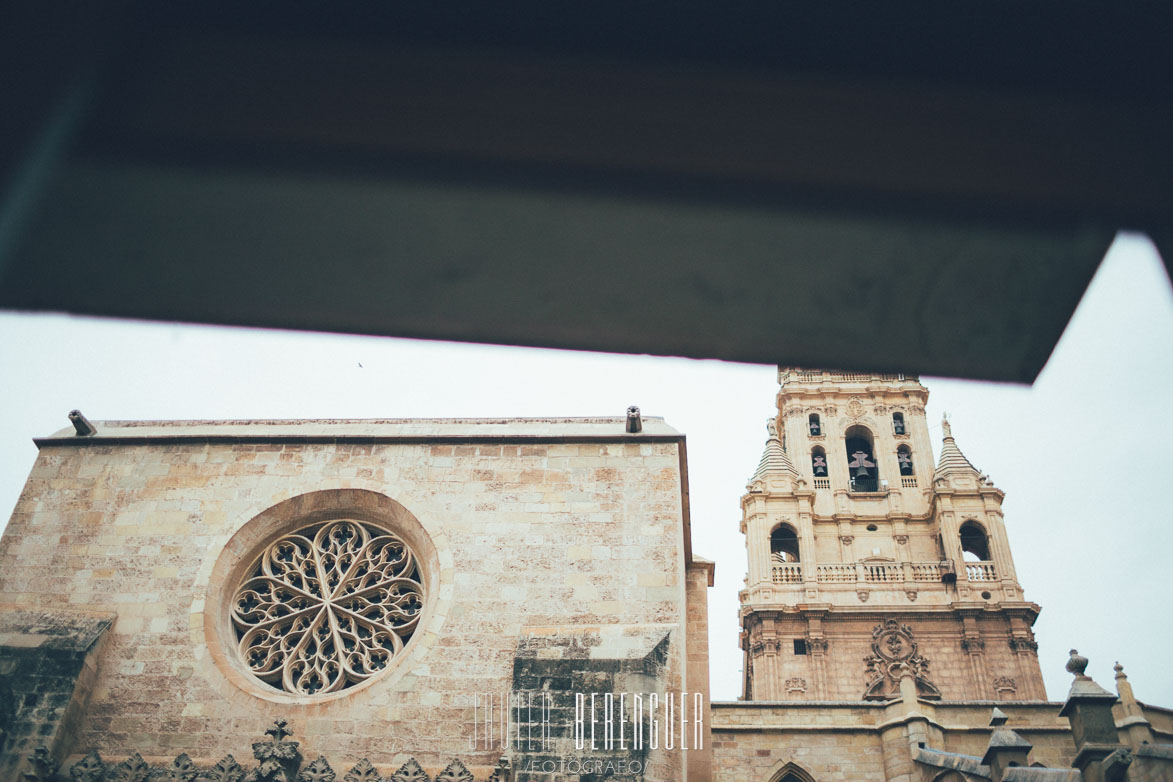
[
  {"x": 774, "y": 460},
  {"x": 952, "y": 460}
]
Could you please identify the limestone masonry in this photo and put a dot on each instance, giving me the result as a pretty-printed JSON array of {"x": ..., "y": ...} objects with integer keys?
[{"x": 439, "y": 601}]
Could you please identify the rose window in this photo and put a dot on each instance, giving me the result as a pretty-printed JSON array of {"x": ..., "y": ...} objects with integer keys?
[{"x": 327, "y": 607}]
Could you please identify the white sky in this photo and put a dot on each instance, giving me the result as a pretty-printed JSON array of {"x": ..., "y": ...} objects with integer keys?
[{"x": 1083, "y": 455}]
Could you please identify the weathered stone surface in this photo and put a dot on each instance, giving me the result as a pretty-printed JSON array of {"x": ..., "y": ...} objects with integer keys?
[
  {"x": 47, "y": 671},
  {"x": 520, "y": 524}
]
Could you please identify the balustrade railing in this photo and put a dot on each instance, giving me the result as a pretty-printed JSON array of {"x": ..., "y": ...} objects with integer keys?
[
  {"x": 925, "y": 571},
  {"x": 790, "y": 573},
  {"x": 888, "y": 572},
  {"x": 908, "y": 482},
  {"x": 822, "y": 483},
  {"x": 882, "y": 572},
  {"x": 837, "y": 573},
  {"x": 817, "y": 375},
  {"x": 981, "y": 571}
]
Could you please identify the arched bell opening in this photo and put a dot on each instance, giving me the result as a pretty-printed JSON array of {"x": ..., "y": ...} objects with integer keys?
[
  {"x": 819, "y": 462},
  {"x": 904, "y": 460},
  {"x": 814, "y": 424},
  {"x": 861, "y": 460},
  {"x": 784, "y": 544},
  {"x": 975, "y": 544},
  {"x": 898, "y": 424}
]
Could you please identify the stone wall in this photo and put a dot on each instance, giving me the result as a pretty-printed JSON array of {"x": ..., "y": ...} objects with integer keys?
[
  {"x": 961, "y": 670},
  {"x": 47, "y": 671},
  {"x": 515, "y": 532},
  {"x": 865, "y": 742}
]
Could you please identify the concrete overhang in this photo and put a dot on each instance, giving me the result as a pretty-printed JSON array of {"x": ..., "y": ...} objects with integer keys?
[{"x": 856, "y": 186}]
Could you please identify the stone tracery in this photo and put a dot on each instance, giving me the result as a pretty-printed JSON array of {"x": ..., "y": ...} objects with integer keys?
[{"x": 327, "y": 607}]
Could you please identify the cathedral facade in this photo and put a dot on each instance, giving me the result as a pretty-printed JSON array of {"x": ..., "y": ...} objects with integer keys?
[{"x": 518, "y": 599}]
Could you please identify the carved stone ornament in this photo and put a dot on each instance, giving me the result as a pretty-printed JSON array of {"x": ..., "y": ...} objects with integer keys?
[
  {"x": 318, "y": 771},
  {"x": 846, "y": 540},
  {"x": 455, "y": 772},
  {"x": 863, "y": 595},
  {"x": 279, "y": 760},
  {"x": 327, "y": 607},
  {"x": 816, "y": 645},
  {"x": 363, "y": 771},
  {"x": 502, "y": 772},
  {"x": 894, "y": 655},
  {"x": 182, "y": 769},
  {"x": 40, "y": 766},
  {"x": 133, "y": 769},
  {"x": 973, "y": 645},
  {"x": 911, "y": 594},
  {"x": 88, "y": 769},
  {"x": 227, "y": 770},
  {"x": 1005, "y": 684},
  {"x": 1023, "y": 645},
  {"x": 796, "y": 684},
  {"x": 410, "y": 772},
  {"x": 901, "y": 539},
  {"x": 855, "y": 409}
]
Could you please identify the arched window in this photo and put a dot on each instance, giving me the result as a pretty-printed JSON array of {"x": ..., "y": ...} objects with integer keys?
[
  {"x": 974, "y": 543},
  {"x": 791, "y": 772},
  {"x": 819, "y": 462},
  {"x": 784, "y": 544},
  {"x": 898, "y": 423},
  {"x": 816, "y": 427},
  {"x": 861, "y": 461},
  {"x": 904, "y": 459}
]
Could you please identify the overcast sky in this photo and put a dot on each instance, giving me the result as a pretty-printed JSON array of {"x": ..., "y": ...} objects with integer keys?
[{"x": 1083, "y": 455}]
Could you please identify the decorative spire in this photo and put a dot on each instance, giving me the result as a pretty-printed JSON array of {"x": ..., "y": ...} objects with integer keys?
[
  {"x": 774, "y": 458},
  {"x": 1127, "y": 697},
  {"x": 953, "y": 461}
]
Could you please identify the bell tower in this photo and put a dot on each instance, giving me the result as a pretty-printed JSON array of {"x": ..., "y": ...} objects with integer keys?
[{"x": 867, "y": 564}]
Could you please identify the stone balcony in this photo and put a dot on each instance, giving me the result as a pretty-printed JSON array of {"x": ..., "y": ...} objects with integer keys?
[{"x": 876, "y": 572}]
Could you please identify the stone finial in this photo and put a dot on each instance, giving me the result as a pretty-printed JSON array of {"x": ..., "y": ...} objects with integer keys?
[
  {"x": 1084, "y": 689},
  {"x": 998, "y": 718},
  {"x": 945, "y": 427},
  {"x": 772, "y": 428},
  {"x": 1077, "y": 664},
  {"x": 635, "y": 423},
  {"x": 1119, "y": 669},
  {"x": 279, "y": 730}
]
